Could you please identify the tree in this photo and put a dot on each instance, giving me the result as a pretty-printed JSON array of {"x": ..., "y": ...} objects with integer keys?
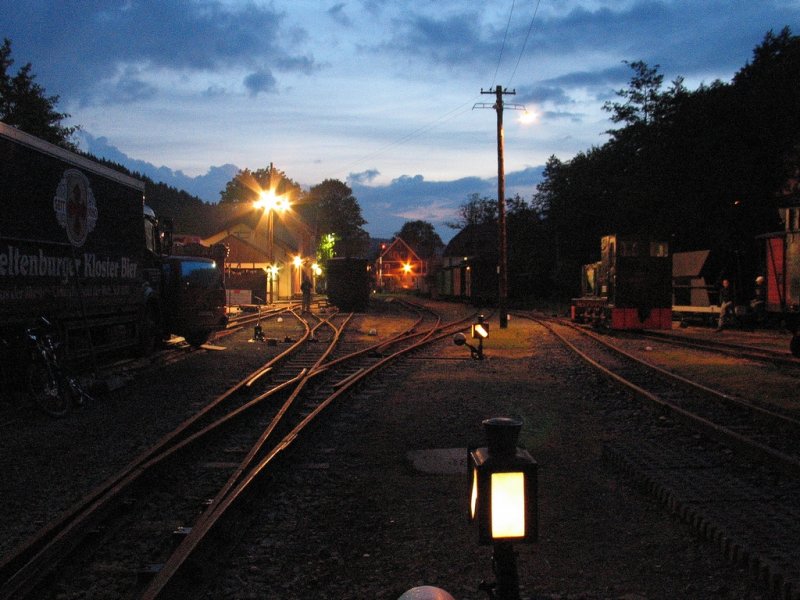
[
  {"x": 25, "y": 105},
  {"x": 643, "y": 97},
  {"x": 475, "y": 211},
  {"x": 247, "y": 185},
  {"x": 703, "y": 168},
  {"x": 422, "y": 237},
  {"x": 336, "y": 211}
]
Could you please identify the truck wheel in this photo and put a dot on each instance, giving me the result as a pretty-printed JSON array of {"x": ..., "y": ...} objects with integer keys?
[
  {"x": 794, "y": 345},
  {"x": 197, "y": 338},
  {"x": 46, "y": 390}
]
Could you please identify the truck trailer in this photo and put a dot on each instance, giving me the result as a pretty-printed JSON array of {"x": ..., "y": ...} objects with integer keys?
[{"x": 79, "y": 247}]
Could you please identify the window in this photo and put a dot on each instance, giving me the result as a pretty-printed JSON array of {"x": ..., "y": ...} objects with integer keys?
[
  {"x": 659, "y": 249},
  {"x": 200, "y": 273}
]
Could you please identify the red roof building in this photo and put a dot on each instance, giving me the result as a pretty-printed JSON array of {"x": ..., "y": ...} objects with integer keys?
[{"x": 399, "y": 268}]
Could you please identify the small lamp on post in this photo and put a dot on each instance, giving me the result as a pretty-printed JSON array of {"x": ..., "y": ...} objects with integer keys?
[
  {"x": 503, "y": 500},
  {"x": 479, "y": 331}
]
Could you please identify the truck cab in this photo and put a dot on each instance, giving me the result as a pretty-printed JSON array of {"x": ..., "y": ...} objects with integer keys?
[
  {"x": 188, "y": 281},
  {"x": 194, "y": 297}
]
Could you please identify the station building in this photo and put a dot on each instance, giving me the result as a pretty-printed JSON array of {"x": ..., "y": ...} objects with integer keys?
[{"x": 268, "y": 256}]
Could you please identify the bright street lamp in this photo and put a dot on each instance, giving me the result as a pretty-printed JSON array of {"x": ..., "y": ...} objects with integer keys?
[{"x": 271, "y": 203}]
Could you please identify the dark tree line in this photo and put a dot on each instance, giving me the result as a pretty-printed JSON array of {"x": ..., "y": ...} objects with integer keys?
[{"x": 702, "y": 169}]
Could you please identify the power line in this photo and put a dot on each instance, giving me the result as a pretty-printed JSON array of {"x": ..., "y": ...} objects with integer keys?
[
  {"x": 452, "y": 114},
  {"x": 503, "y": 46},
  {"x": 525, "y": 43}
]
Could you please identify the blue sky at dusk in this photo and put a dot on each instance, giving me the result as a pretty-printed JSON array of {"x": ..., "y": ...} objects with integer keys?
[{"x": 377, "y": 93}]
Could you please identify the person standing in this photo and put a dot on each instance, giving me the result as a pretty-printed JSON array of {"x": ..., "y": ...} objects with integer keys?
[{"x": 305, "y": 287}]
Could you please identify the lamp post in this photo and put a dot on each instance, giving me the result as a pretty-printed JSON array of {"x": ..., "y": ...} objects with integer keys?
[
  {"x": 268, "y": 201},
  {"x": 503, "y": 500}
]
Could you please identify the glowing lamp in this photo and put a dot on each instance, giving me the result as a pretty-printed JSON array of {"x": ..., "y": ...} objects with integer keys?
[
  {"x": 503, "y": 486},
  {"x": 480, "y": 331}
]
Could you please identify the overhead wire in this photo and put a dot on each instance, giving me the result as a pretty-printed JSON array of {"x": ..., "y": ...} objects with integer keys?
[
  {"x": 452, "y": 114},
  {"x": 525, "y": 43},
  {"x": 503, "y": 46}
]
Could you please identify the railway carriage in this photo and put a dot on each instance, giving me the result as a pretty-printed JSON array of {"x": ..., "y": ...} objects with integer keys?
[
  {"x": 629, "y": 288},
  {"x": 782, "y": 275}
]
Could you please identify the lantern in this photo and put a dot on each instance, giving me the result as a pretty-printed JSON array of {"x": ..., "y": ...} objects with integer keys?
[{"x": 503, "y": 486}]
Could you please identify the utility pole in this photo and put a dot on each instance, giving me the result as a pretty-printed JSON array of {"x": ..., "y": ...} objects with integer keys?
[{"x": 502, "y": 269}]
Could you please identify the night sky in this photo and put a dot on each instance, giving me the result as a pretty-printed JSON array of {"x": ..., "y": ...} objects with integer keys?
[{"x": 377, "y": 93}]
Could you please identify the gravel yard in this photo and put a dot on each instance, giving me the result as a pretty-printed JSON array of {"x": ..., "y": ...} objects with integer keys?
[{"x": 355, "y": 520}]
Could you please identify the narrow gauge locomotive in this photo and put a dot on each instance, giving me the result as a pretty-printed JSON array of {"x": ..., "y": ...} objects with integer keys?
[{"x": 629, "y": 288}]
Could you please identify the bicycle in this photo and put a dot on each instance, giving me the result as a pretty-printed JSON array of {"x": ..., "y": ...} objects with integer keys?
[{"x": 47, "y": 383}]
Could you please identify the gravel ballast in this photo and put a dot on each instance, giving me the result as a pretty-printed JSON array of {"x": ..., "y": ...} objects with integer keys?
[{"x": 353, "y": 518}]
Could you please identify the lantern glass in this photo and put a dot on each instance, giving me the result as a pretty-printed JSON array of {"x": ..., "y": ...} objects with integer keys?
[
  {"x": 473, "y": 501},
  {"x": 508, "y": 505}
]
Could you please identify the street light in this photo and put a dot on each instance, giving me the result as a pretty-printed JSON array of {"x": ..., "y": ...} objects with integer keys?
[
  {"x": 269, "y": 202},
  {"x": 503, "y": 499}
]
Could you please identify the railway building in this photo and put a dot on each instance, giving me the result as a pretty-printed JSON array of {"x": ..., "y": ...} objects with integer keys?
[
  {"x": 267, "y": 256},
  {"x": 469, "y": 266},
  {"x": 399, "y": 268}
]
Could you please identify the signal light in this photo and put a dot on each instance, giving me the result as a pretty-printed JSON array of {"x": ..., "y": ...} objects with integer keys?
[{"x": 480, "y": 331}]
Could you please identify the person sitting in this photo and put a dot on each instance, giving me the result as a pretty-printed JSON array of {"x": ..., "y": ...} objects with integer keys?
[{"x": 725, "y": 304}]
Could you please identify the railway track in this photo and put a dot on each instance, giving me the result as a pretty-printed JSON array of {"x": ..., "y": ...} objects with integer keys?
[
  {"x": 750, "y": 352},
  {"x": 753, "y": 431},
  {"x": 729, "y": 468},
  {"x": 133, "y": 535},
  {"x": 119, "y": 372}
]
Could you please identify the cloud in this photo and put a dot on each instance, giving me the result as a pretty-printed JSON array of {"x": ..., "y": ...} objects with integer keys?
[
  {"x": 99, "y": 41},
  {"x": 456, "y": 40},
  {"x": 129, "y": 87},
  {"x": 412, "y": 197},
  {"x": 207, "y": 187},
  {"x": 260, "y": 81},
  {"x": 685, "y": 37},
  {"x": 336, "y": 12},
  {"x": 363, "y": 177},
  {"x": 385, "y": 207}
]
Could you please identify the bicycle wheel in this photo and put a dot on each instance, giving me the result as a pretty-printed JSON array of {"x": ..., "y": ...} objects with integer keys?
[{"x": 46, "y": 390}]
